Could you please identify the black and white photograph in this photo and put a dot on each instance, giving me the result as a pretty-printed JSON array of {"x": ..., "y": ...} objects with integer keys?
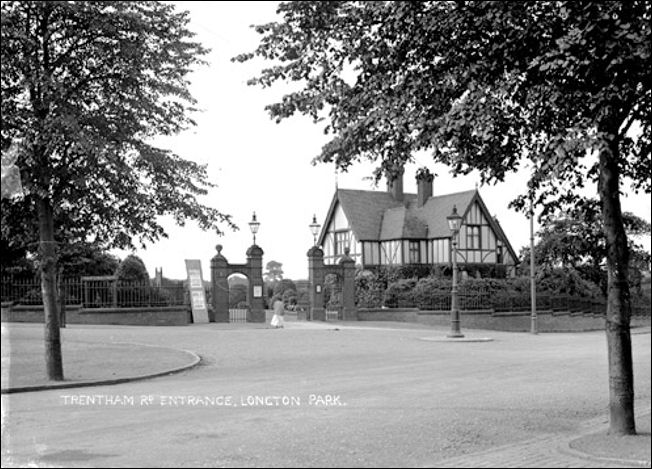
[{"x": 326, "y": 234}]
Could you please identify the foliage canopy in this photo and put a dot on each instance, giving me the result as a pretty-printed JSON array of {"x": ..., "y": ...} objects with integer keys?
[{"x": 85, "y": 88}]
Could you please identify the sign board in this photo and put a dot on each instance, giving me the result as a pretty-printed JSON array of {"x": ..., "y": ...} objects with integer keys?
[
  {"x": 258, "y": 291},
  {"x": 197, "y": 293}
]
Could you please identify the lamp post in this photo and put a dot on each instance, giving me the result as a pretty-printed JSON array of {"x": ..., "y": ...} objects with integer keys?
[
  {"x": 533, "y": 287},
  {"x": 454, "y": 222},
  {"x": 254, "y": 225},
  {"x": 314, "y": 228}
]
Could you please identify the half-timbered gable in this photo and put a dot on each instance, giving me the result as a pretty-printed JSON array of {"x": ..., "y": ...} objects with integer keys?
[{"x": 390, "y": 228}]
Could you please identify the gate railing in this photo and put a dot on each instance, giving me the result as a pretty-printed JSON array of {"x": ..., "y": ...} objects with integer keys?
[
  {"x": 238, "y": 315},
  {"x": 332, "y": 314}
]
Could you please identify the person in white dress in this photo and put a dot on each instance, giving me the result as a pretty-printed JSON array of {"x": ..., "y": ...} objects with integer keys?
[{"x": 279, "y": 311}]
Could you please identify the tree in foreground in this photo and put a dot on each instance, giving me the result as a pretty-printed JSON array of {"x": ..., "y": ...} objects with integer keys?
[
  {"x": 86, "y": 86},
  {"x": 561, "y": 89}
]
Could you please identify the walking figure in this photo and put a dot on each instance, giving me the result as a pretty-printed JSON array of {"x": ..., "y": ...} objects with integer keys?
[{"x": 279, "y": 311}]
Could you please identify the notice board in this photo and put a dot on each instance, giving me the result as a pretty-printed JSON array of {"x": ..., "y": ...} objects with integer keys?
[{"x": 197, "y": 293}]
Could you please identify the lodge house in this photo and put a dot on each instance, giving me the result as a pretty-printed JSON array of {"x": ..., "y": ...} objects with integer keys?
[{"x": 394, "y": 228}]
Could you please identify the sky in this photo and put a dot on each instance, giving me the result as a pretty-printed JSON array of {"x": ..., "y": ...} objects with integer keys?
[{"x": 265, "y": 167}]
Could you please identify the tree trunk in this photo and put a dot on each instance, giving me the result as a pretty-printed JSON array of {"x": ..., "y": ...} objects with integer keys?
[
  {"x": 48, "y": 259},
  {"x": 621, "y": 376}
]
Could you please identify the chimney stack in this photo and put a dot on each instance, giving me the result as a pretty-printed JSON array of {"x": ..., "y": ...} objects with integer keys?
[
  {"x": 395, "y": 185},
  {"x": 424, "y": 186}
]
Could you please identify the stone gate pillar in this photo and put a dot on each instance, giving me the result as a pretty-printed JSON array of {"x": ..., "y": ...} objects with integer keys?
[
  {"x": 219, "y": 287},
  {"x": 316, "y": 279},
  {"x": 256, "y": 284},
  {"x": 349, "y": 311}
]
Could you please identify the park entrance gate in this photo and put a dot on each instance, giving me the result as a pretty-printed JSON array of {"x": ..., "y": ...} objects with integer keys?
[
  {"x": 252, "y": 269},
  {"x": 317, "y": 272}
]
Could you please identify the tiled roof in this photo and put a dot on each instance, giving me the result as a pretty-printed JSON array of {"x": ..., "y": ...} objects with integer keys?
[
  {"x": 365, "y": 210},
  {"x": 376, "y": 215},
  {"x": 437, "y": 208}
]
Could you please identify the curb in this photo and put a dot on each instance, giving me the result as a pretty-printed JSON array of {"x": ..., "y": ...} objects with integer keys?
[
  {"x": 566, "y": 449},
  {"x": 462, "y": 339},
  {"x": 196, "y": 359}
]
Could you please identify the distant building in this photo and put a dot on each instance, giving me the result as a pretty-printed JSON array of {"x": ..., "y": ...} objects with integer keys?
[{"x": 393, "y": 228}]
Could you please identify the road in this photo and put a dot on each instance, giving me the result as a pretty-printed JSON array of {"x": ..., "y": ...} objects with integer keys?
[{"x": 320, "y": 397}]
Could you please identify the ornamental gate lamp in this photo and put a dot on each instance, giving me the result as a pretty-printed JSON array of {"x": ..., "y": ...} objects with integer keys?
[
  {"x": 314, "y": 228},
  {"x": 254, "y": 225}
]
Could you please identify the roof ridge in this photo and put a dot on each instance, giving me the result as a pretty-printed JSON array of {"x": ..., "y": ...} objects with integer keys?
[
  {"x": 455, "y": 193},
  {"x": 408, "y": 193}
]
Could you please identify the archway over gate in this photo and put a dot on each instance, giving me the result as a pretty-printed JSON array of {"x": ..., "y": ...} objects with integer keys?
[
  {"x": 317, "y": 272},
  {"x": 221, "y": 269}
]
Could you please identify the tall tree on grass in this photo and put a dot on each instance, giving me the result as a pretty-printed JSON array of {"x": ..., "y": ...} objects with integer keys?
[
  {"x": 560, "y": 87},
  {"x": 85, "y": 88}
]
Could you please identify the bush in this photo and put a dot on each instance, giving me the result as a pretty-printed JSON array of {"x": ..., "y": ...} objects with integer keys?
[
  {"x": 486, "y": 293},
  {"x": 369, "y": 289},
  {"x": 400, "y": 291},
  {"x": 567, "y": 282}
]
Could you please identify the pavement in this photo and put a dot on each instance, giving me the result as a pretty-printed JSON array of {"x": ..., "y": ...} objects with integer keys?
[{"x": 356, "y": 394}]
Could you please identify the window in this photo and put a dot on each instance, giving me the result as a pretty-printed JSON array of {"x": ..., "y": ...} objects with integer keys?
[
  {"x": 473, "y": 237},
  {"x": 499, "y": 252},
  {"x": 414, "y": 253},
  {"x": 341, "y": 242}
]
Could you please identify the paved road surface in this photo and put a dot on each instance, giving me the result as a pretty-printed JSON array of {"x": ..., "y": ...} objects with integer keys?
[{"x": 398, "y": 400}]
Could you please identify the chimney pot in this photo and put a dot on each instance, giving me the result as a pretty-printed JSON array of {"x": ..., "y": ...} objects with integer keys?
[
  {"x": 395, "y": 185},
  {"x": 424, "y": 186}
]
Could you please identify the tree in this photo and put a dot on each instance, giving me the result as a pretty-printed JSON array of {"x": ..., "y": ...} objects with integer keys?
[
  {"x": 132, "y": 269},
  {"x": 562, "y": 88},
  {"x": 84, "y": 259},
  {"x": 284, "y": 285},
  {"x": 274, "y": 272},
  {"x": 575, "y": 240},
  {"x": 85, "y": 88}
]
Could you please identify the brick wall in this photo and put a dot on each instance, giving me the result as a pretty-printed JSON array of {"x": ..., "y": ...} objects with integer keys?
[
  {"x": 547, "y": 321},
  {"x": 164, "y": 316}
]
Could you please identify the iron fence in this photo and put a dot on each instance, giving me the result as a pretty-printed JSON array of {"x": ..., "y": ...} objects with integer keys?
[{"x": 95, "y": 292}]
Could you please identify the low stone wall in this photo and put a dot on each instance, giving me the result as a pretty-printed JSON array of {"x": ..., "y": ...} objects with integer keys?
[
  {"x": 163, "y": 316},
  {"x": 388, "y": 314},
  {"x": 547, "y": 321}
]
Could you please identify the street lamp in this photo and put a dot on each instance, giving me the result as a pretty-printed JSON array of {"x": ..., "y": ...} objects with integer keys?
[
  {"x": 533, "y": 287},
  {"x": 314, "y": 227},
  {"x": 454, "y": 223},
  {"x": 254, "y": 225}
]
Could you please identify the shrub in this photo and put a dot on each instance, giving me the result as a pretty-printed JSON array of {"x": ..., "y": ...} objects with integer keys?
[
  {"x": 399, "y": 292},
  {"x": 368, "y": 289}
]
